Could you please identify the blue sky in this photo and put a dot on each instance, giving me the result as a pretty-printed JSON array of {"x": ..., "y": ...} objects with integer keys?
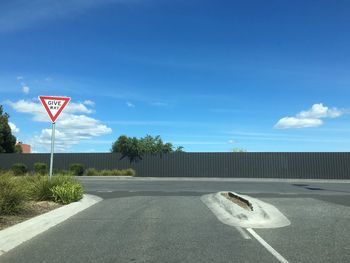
[{"x": 207, "y": 75}]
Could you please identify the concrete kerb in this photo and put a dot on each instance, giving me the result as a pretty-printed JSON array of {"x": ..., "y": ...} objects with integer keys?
[{"x": 17, "y": 234}]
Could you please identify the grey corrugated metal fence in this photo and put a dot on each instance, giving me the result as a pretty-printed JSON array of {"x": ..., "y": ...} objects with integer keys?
[{"x": 243, "y": 165}]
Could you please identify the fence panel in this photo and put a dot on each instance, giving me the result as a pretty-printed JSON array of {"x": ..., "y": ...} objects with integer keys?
[{"x": 239, "y": 165}]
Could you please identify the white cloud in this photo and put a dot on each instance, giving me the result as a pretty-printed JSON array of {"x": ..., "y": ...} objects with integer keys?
[
  {"x": 77, "y": 108},
  {"x": 130, "y": 105},
  {"x": 309, "y": 118},
  {"x": 14, "y": 128},
  {"x": 25, "y": 89},
  {"x": 319, "y": 111},
  {"x": 89, "y": 103},
  {"x": 27, "y": 106},
  {"x": 19, "y": 77},
  {"x": 231, "y": 141},
  {"x": 71, "y": 128},
  {"x": 292, "y": 122}
]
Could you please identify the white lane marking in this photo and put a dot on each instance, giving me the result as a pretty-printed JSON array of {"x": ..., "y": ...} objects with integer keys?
[
  {"x": 242, "y": 232},
  {"x": 104, "y": 191},
  {"x": 222, "y": 215},
  {"x": 267, "y": 246}
]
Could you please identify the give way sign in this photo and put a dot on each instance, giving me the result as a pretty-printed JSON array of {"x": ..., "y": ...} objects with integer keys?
[{"x": 54, "y": 105}]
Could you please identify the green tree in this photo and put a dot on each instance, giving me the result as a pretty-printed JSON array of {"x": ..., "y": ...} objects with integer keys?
[
  {"x": 179, "y": 149},
  {"x": 128, "y": 147},
  {"x": 7, "y": 140},
  {"x": 18, "y": 148},
  {"x": 239, "y": 150},
  {"x": 154, "y": 145},
  {"x": 134, "y": 148},
  {"x": 119, "y": 145}
]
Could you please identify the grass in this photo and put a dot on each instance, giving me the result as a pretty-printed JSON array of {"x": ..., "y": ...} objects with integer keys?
[
  {"x": 67, "y": 193},
  {"x": 12, "y": 195}
]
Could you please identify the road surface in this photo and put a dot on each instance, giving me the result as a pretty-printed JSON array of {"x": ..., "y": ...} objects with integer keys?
[{"x": 157, "y": 220}]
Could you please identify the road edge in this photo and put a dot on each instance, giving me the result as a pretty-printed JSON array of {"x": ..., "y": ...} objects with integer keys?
[
  {"x": 214, "y": 179},
  {"x": 13, "y": 236}
]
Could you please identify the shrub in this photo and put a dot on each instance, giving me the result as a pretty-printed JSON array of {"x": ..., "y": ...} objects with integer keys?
[
  {"x": 12, "y": 195},
  {"x": 40, "y": 168},
  {"x": 19, "y": 169},
  {"x": 117, "y": 172},
  {"x": 62, "y": 172},
  {"x": 76, "y": 169},
  {"x": 91, "y": 172},
  {"x": 67, "y": 193},
  {"x": 40, "y": 186},
  {"x": 130, "y": 172},
  {"x": 105, "y": 172}
]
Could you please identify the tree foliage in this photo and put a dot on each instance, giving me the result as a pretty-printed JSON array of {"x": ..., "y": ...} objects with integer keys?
[
  {"x": 135, "y": 148},
  {"x": 239, "y": 150},
  {"x": 18, "y": 148},
  {"x": 7, "y": 140}
]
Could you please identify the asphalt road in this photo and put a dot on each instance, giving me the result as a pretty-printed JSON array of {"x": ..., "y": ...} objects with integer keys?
[{"x": 165, "y": 221}]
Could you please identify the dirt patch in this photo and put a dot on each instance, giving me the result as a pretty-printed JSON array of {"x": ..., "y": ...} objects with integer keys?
[
  {"x": 30, "y": 209},
  {"x": 239, "y": 201}
]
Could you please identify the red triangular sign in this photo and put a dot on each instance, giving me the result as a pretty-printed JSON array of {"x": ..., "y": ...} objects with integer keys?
[{"x": 54, "y": 105}]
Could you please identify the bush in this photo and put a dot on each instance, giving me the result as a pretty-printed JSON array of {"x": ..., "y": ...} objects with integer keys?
[
  {"x": 12, "y": 195},
  {"x": 40, "y": 186},
  {"x": 40, "y": 168},
  {"x": 115, "y": 172},
  {"x": 62, "y": 172},
  {"x": 91, "y": 172},
  {"x": 19, "y": 169},
  {"x": 105, "y": 172},
  {"x": 76, "y": 169},
  {"x": 67, "y": 193},
  {"x": 130, "y": 172}
]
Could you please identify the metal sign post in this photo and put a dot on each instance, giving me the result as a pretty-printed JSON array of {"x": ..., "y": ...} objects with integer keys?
[{"x": 52, "y": 146}]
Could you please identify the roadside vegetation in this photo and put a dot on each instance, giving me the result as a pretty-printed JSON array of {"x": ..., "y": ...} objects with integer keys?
[
  {"x": 115, "y": 172},
  {"x": 77, "y": 169},
  {"x": 17, "y": 191}
]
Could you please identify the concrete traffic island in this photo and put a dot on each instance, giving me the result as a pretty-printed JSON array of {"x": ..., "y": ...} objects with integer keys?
[
  {"x": 15, "y": 235},
  {"x": 244, "y": 211}
]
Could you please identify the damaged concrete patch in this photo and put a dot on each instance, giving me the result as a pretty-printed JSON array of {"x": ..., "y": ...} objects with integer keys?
[{"x": 263, "y": 215}]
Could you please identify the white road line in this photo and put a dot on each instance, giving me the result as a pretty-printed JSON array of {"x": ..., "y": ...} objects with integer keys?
[
  {"x": 242, "y": 232},
  {"x": 222, "y": 215},
  {"x": 267, "y": 246},
  {"x": 104, "y": 191}
]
